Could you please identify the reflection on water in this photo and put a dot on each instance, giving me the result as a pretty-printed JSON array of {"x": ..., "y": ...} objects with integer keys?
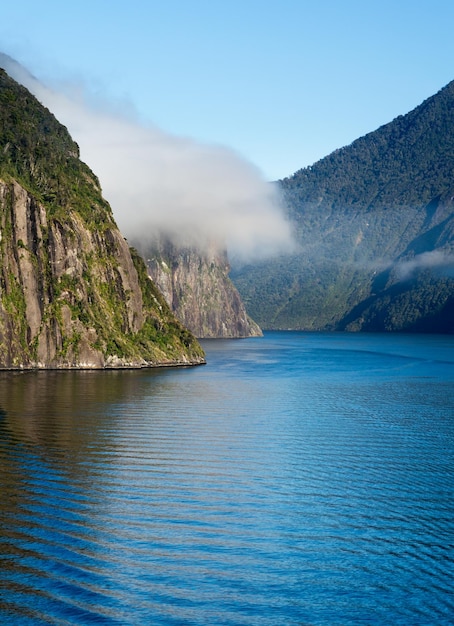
[
  {"x": 61, "y": 402},
  {"x": 296, "y": 479}
]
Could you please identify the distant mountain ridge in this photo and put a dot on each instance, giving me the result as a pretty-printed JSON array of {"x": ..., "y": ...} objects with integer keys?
[{"x": 375, "y": 224}]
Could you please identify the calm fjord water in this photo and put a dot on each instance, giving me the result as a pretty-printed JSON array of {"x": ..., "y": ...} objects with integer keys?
[{"x": 295, "y": 479}]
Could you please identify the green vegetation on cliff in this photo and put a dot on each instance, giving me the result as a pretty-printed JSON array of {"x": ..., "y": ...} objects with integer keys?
[
  {"x": 72, "y": 293},
  {"x": 38, "y": 152},
  {"x": 362, "y": 216}
]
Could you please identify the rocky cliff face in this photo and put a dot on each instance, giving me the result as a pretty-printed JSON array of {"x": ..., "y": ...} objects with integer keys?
[
  {"x": 196, "y": 285},
  {"x": 72, "y": 293},
  {"x": 72, "y": 296}
]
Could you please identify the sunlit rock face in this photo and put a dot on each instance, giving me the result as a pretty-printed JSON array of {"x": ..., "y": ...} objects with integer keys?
[
  {"x": 72, "y": 296},
  {"x": 72, "y": 292},
  {"x": 195, "y": 283}
]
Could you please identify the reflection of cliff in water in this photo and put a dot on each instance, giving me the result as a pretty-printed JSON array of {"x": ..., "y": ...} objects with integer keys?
[
  {"x": 61, "y": 415},
  {"x": 55, "y": 428}
]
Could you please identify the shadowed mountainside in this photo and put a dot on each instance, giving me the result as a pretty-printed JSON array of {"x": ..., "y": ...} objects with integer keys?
[
  {"x": 195, "y": 283},
  {"x": 375, "y": 224}
]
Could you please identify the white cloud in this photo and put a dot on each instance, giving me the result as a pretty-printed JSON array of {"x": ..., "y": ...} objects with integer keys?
[{"x": 160, "y": 183}]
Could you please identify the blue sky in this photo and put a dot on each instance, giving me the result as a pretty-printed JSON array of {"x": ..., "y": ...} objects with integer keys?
[{"x": 281, "y": 83}]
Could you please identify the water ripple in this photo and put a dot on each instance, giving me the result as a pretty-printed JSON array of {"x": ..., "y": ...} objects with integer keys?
[{"x": 294, "y": 480}]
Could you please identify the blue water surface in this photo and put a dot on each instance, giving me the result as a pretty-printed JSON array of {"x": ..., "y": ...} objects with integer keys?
[{"x": 295, "y": 479}]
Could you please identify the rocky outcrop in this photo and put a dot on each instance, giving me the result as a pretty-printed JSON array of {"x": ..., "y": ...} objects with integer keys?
[
  {"x": 195, "y": 283},
  {"x": 71, "y": 296}
]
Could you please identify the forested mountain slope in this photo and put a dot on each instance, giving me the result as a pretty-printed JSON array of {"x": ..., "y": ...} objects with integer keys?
[{"x": 375, "y": 225}]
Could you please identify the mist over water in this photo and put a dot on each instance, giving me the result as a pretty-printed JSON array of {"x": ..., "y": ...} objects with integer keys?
[{"x": 159, "y": 183}]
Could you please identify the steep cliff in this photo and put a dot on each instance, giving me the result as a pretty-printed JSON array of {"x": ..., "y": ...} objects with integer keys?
[
  {"x": 72, "y": 293},
  {"x": 195, "y": 283}
]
